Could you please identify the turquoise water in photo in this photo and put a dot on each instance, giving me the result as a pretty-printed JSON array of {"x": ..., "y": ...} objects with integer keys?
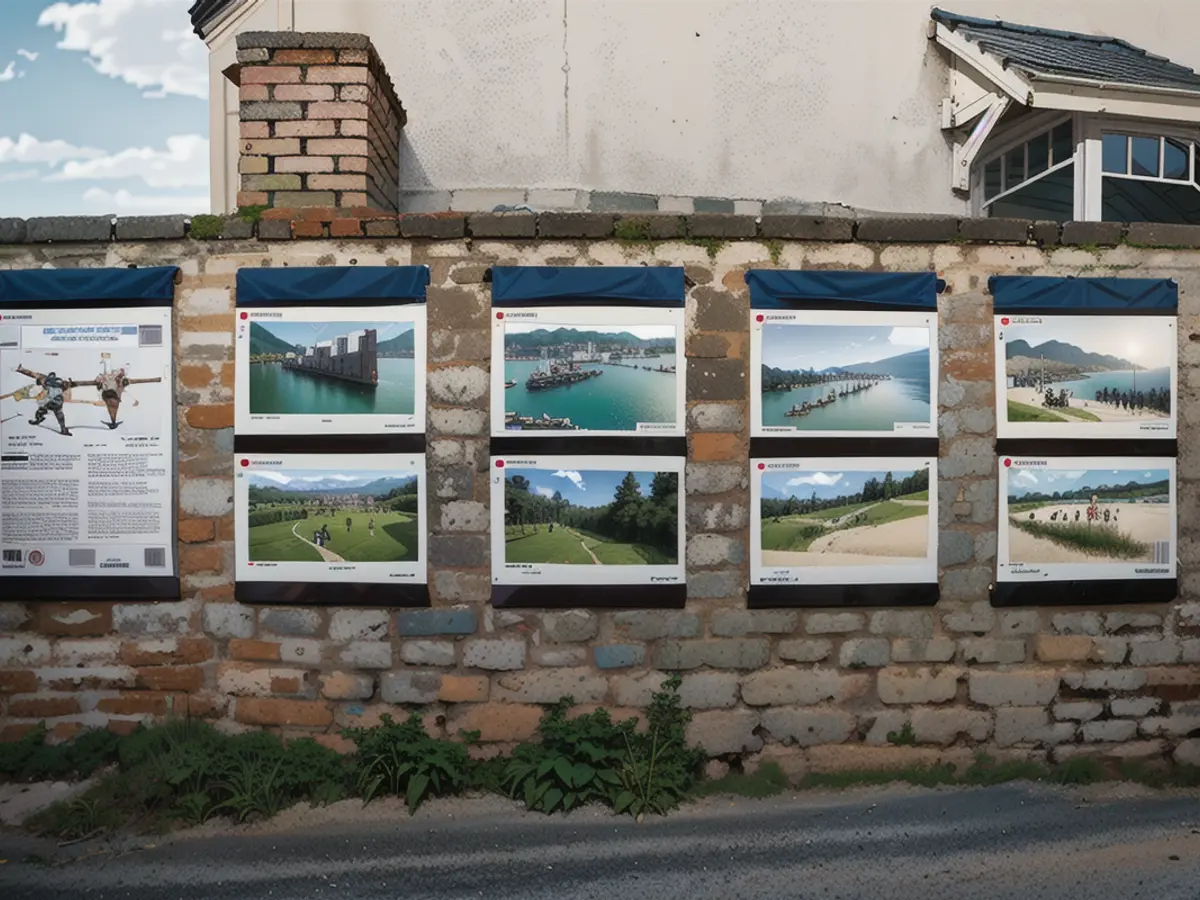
[
  {"x": 275, "y": 390},
  {"x": 1086, "y": 386},
  {"x": 615, "y": 401},
  {"x": 876, "y": 409}
]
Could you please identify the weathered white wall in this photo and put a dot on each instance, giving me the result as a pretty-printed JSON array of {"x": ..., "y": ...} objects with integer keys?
[{"x": 820, "y": 100}]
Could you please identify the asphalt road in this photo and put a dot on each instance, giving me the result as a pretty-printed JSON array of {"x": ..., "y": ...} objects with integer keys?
[{"x": 1015, "y": 841}]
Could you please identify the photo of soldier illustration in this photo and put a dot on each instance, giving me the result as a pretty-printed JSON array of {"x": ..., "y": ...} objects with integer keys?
[{"x": 51, "y": 391}]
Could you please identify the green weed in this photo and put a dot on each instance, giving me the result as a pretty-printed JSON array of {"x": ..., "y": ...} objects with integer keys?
[
  {"x": 206, "y": 228},
  {"x": 1095, "y": 540},
  {"x": 401, "y": 759},
  {"x": 767, "y": 780}
]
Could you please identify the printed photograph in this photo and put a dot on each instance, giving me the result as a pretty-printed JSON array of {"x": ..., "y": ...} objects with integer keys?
[
  {"x": 587, "y": 377},
  {"x": 1089, "y": 516},
  {"x": 590, "y": 517},
  {"x": 847, "y": 518},
  {"x": 1089, "y": 369},
  {"x": 308, "y": 515},
  {"x": 70, "y": 391},
  {"x": 845, "y": 377},
  {"x": 332, "y": 368}
]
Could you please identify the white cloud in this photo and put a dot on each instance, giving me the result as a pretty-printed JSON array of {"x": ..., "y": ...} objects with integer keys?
[
  {"x": 909, "y": 337},
  {"x": 1147, "y": 474},
  {"x": 183, "y": 164},
  {"x": 277, "y": 477},
  {"x": 1026, "y": 476},
  {"x": 19, "y": 175},
  {"x": 28, "y": 54},
  {"x": 28, "y": 149},
  {"x": 574, "y": 477},
  {"x": 143, "y": 42},
  {"x": 123, "y": 201},
  {"x": 546, "y": 492},
  {"x": 9, "y": 73},
  {"x": 817, "y": 478}
]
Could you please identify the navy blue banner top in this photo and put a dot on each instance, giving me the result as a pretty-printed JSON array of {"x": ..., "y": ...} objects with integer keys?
[
  {"x": 1012, "y": 293},
  {"x": 789, "y": 289},
  {"x": 331, "y": 284},
  {"x": 660, "y": 286},
  {"x": 88, "y": 286}
]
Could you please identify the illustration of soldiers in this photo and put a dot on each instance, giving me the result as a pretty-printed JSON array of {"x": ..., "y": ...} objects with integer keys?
[
  {"x": 52, "y": 400},
  {"x": 111, "y": 386}
]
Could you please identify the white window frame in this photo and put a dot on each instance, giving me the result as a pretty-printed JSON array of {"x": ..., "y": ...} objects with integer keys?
[
  {"x": 1096, "y": 126},
  {"x": 1020, "y": 132}
]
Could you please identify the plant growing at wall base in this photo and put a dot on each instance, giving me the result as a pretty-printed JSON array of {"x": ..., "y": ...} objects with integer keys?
[
  {"x": 402, "y": 759},
  {"x": 205, "y": 227}
]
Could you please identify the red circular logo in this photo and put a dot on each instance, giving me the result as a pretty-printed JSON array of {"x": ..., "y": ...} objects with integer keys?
[
  {"x": 245, "y": 463},
  {"x": 499, "y": 464},
  {"x": 245, "y": 315},
  {"x": 36, "y": 557},
  {"x": 761, "y": 466},
  {"x": 1004, "y": 321},
  {"x": 759, "y": 317},
  {"x": 499, "y": 315},
  {"x": 1007, "y": 463}
]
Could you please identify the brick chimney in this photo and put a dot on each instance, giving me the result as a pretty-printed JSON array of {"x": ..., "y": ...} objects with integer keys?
[{"x": 320, "y": 122}]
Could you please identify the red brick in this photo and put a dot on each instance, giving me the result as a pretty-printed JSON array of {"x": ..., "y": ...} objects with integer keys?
[
  {"x": 14, "y": 681},
  {"x": 74, "y": 619},
  {"x": 138, "y": 703},
  {"x": 42, "y": 707},
  {"x": 269, "y": 75},
  {"x": 196, "y": 377},
  {"x": 708, "y": 447},
  {"x": 171, "y": 678},
  {"x": 273, "y": 711},
  {"x": 976, "y": 365},
  {"x": 308, "y": 229},
  {"x": 196, "y": 531},
  {"x": 354, "y": 57},
  {"x": 354, "y": 93},
  {"x": 339, "y": 147},
  {"x": 252, "y": 198},
  {"x": 196, "y": 558},
  {"x": 304, "y": 93},
  {"x": 181, "y": 651},
  {"x": 265, "y": 651},
  {"x": 352, "y": 164},
  {"x": 226, "y": 529},
  {"x": 304, "y": 164},
  {"x": 337, "y": 110},
  {"x": 304, "y": 57},
  {"x": 250, "y": 92},
  {"x": 336, "y": 74},
  {"x": 210, "y": 415},
  {"x": 10, "y": 734},
  {"x": 358, "y": 199},
  {"x": 345, "y": 228},
  {"x": 203, "y": 707},
  {"x": 285, "y": 684},
  {"x": 65, "y": 731},
  {"x": 123, "y": 726},
  {"x": 212, "y": 322},
  {"x": 299, "y": 129},
  {"x": 352, "y": 128},
  {"x": 463, "y": 688},
  {"x": 254, "y": 130}
]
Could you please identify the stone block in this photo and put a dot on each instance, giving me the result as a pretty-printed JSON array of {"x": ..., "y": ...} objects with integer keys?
[
  {"x": 710, "y": 380},
  {"x": 271, "y": 711},
  {"x": 1077, "y": 623},
  {"x": 1157, "y": 234},
  {"x": 807, "y": 228},
  {"x": 366, "y": 655},
  {"x": 711, "y": 205},
  {"x": 904, "y": 229},
  {"x": 619, "y": 656},
  {"x": 1110, "y": 651},
  {"x": 1075, "y": 234},
  {"x": 944, "y": 726},
  {"x": 1126, "y": 622},
  {"x": 569, "y": 626},
  {"x": 979, "y": 618},
  {"x": 498, "y": 654},
  {"x": 807, "y": 727},
  {"x": 575, "y": 225},
  {"x": 709, "y": 690},
  {"x": 721, "y": 225},
  {"x": 1025, "y": 688},
  {"x": 1025, "y": 725},
  {"x": 1062, "y": 648},
  {"x": 495, "y": 722},
  {"x": 715, "y": 550},
  {"x": 635, "y": 691},
  {"x": 464, "y": 689},
  {"x": 885, "y": 722},
  {"x": 801, "y": 687},
  {"x": 358, "y": 625},
  {"x": 996, "y": 230},
  {"x": 739, "y": 622},
  {"x": 462, "y": 587},
  {"x": 549, "y": 686},
  {"x": 502, "y": 225},
  {"x": 289, "y": 621},
  {"x": 457, "y": 550},
  {"x": 716, "y": 585},
  {"x": 954, "y": 549},
  {"x": 718, "y": 417},
  {"x": 559, "y": 655},
  {"x": 1078, "y": 710},
  {"x": 1105, "y": 680},
  {"x": 228, "y": 620},
  {"x": 1022, "y": 621},
  {"x": 923, "y": 650},
  {"x": 719, "y": 310},
  {"x": 427, "y": 653},
  {"x": 714, "y": 478},
  {"x": 834, "y": 623},
  {"x": 863, "y": 653},
  {"x": 1110, "y": 730},
  {"x": 12, "y": 231},
  {"x": 410, "y": 687},
  {"x": 1187, "y": 753},
  {"x": 1046, "y": 234},
  {"x": 608, "y": 202},
  {"x": 1154, "y": 653},
  {"x": 902, "y": 623},
  {"x": 910, "y": 686},
  {"x": 347, "y": 686},
  {"x": 1134, "y": 706},
  {"x": 856, "y": 758},
  {"x": 301, "y": 651},
  {"x": 153, "y": 618},
  {"x": 804, "y": 651},
  {"x": 729, "y": 653},
  {"x": 151, "y": 228},
  {"x": 720, "y": 732},
  {"x": 989, "y": 650},
  {"x": 69, "y": 228},
  {"x": 652, "y": 625}
]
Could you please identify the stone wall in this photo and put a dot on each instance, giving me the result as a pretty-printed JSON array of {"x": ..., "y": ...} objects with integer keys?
[{"x": 821, "y": 689}]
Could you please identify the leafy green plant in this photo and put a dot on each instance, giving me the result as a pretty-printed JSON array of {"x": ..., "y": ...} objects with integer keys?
[
  {"x": 251, "y": 783},
  {"x": 32, "y": 759},
  {"x": 314, "y": 772},
  {"x": 403, "y": 759},
  {"x": 711, "y": 246},
  {"x": 775, "y": 249},
  {"x": 661, "y": 769},
  {"x": 83, "y": 816},
  {"x": 905, "y": 737},
  {"x": 206, "y": 227}
]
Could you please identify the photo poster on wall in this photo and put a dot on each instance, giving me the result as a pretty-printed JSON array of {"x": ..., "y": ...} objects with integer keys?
[
  {"x": 1082, "y": 359},
  {"x": 588, "y": 531},
  {"x": 329, "y": 436},
  {"x": 346, "y": 529},
  {"x": 1086, "y": 530},
  {"x": 87, "y": 434},
  {"x": 843, "y": 531}
]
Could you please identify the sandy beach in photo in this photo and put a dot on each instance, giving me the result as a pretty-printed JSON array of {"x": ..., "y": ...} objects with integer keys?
[{"x": 1142, "y": 523}]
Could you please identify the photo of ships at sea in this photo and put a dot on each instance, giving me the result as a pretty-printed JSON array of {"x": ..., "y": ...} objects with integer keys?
[
  {"x": 1085, "y": 369},
  {"x": 588, "y": 377},
  {"x": 332, "y": 368},
  {"x": 845, "y": 377}
]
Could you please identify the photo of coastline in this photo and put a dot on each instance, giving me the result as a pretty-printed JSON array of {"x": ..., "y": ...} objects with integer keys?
[
  {"x": 332, "y": 368},
  {"x": 589, "y": 517},
  {"x": 589, "y": 377},
  {"x": 844, "y": 518},
  {"x": 1059, "y": 515},
  {"x": 1089, "y": 369},
  {"x": 845, "y": 378},
  {"x": 310, "y": 515}
]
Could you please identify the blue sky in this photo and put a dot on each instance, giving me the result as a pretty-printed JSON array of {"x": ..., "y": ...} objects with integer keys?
[
  {"x": 583, "y": 487},
  {"x": 309, "y": 333},
  {"x": 827, "y": 484},
  {"x": 824, "y": 346},
  {"x": 1047, "y": 481},
  {"x": 1146, "y": 341},
  {"x": 103, "y": 108}
]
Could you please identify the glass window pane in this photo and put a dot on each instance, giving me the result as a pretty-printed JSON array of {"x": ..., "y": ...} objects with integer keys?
[
  {"x": 1014, "y": 167},
  {"x": 1113, "y": 151},
  {"x": 1145, "y": 156},
  {"x": 1063, "y": 142},
  {"x": 1039, "y": 154},
  {"x": 1175, "y": 160},
  {"x": 991, "y": 179}
]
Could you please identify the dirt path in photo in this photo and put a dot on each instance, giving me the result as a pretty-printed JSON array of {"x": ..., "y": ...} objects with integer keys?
[
  {"x": 787, "y": 558},
  {"x": 1142, "y": 522},
  {"x": 1103, "y": 411},
  {"x": 327, "y": 555},
  {"x": 587, "y": 549},
  {"x": 903, "y": 538}
]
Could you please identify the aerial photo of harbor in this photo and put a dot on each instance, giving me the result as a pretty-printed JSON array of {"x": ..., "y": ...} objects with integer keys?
[
  {"x": 845, "y": 377},
  {"x": 332, "y": 368},
  {"x": 588, "y": 377}
]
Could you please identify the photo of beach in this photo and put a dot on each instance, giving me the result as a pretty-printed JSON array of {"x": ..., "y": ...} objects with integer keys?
[
  {"x": 332, "y": 368},
  {"x": 845, "y": 377},
  {"x": 589, "y": 377},
  {"x": 1088, "y": 369},
  {"x": 844, "y": 517},
  {"x": 586, "y": 517},
  {"x": 1061, "y": 515}
]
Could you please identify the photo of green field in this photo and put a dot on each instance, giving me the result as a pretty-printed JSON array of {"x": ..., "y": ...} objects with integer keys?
[
  {"x": 811, "y": 518},
  {"x": 1064, "y": 516},
  {"x": 591, "y": 518},
  {"x": 317, "y": 516}
]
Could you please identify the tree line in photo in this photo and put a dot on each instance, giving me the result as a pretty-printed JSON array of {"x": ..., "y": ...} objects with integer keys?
[
  {"x": 629, "y": 517},
  {"x": 774, "y": 379},
  {"x": 874, "y": 490},
  {"x": 1129, "y": 491},
  {"x": 402, "y": 498}
]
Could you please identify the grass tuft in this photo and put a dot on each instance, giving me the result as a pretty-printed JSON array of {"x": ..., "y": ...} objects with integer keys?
[
  {"x": 767, "y": 780},
  {"x": 1094, "y": 540}
]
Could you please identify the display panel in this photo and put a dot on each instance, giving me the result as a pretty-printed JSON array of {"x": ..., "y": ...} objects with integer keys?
[
  {"x": 1086, "y": 376},
  {"x": 1086, "y": 519},
  {"x": 869, "y": 520},
  {"x": 588, "y": 370},
  {"x": 826, "y": 373},
  {"x": 88, "y": 447},
  {"x": 335, "y": 518},
  {"x": 587, "y": 520},
  {"x": 330, "y": 370}
]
